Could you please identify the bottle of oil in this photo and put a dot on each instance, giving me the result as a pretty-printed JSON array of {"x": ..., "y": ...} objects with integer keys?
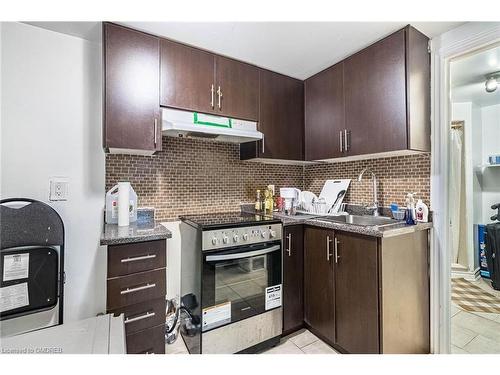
[
  {"x": 258, "y": 202},
  {"x": 269, "y": 201}
]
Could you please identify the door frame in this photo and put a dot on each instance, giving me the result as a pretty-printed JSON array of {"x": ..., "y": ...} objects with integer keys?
[{"x": 457, "y": 42}]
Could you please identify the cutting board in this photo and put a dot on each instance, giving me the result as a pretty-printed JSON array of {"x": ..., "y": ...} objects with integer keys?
[{"x": 331, "y": 189}]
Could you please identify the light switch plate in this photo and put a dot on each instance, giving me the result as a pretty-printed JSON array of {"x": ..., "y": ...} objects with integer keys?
[{"x": 58, "y": 190}]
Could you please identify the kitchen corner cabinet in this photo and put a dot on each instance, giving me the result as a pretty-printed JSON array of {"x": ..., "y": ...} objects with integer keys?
[
  {"x": 281, "y": 119},
  {"x": 366, "y": 294},
  {"x": 196, "y": 80},
  {"x": 319, "y": 283},
  {"x": 293, "y": 278},
  {"x": 384, "y": 102},
  {"x": 131, "y": 91}
]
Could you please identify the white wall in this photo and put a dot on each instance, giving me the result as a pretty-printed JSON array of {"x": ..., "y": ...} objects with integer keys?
[
  {"x": 490, "y": 146},
  {"x": 51, "y": 126}
]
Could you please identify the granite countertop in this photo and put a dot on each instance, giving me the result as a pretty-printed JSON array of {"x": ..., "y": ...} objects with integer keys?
[
  {"x": 375, "y": 231},
  {"x": 145, "y": 229}
]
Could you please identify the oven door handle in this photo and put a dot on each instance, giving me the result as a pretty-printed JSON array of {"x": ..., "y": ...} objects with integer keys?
[{"x": 247, "y": 254}]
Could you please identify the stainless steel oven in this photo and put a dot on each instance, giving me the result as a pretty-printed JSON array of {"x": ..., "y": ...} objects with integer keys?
[{"x": 231, "y": 285}]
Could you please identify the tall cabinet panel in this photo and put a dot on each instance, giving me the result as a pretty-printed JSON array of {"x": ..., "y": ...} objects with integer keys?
[
  {"x": 375, "y": 97},
  {"x": 131, "y": 85},
  {"x": 293, "y": 278},
  {"x": 319, "y": 292},
  {"x": 324, "y": 114},
  {"x": 187, "y": 77}
]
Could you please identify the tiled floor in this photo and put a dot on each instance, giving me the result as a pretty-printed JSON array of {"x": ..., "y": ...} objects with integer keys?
[
  {"x": 475, "y": 332},
  {"x": 300, "y": 342}
]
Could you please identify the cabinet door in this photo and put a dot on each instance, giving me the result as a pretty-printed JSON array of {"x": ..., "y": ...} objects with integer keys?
[
  {"x": 319, "y": 296},
  {"x": 187, "y": 78},
  {"x": 293, "y": 278},
  {"x": 131, "y": 76},
  {"x": 375, "y": 97},
  {"x": 281, "y": 116},
  {"x": 324, "y": 114},
  {"x": 356, "y": 293},
  {"x": 237, "y": 91}
]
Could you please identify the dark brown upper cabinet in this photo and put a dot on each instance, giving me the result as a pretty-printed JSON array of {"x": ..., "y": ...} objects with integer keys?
[
  {"x": 384, "y": 101},
  {"x": 324, "y": 114},
  {"x": 237, "y": 91},
  {"x": 281, "y": 119},
  {"x": 131, "y": 91},
  {"x": 319, "y": 282},
  {"x": 187, "y": 78},
  {"x": 293, "y": 278}
]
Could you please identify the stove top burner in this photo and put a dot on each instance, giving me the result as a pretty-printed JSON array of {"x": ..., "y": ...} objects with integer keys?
[{"x": 226, "y": 219}]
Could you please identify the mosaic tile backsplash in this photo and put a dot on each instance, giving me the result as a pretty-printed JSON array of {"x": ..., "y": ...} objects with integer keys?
[{"x": 203, "y": 176}]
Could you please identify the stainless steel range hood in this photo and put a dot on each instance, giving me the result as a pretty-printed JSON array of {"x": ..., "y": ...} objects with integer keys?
[{"x": 177, "y": 123}]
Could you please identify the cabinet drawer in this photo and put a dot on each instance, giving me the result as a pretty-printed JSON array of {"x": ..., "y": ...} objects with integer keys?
[
  {"x": 136, "y": 257},
  {"x": 143, "y": 315},
  {"x": 140, "y": 287},
  {"x": 148, "y": 341}
]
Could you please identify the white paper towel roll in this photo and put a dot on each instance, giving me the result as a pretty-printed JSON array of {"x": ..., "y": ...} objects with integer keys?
[{"x": 123, "y": 203}]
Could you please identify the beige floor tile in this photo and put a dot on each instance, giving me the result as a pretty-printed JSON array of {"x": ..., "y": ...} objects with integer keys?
[
  {"x": 454, "y": 309},
  {"x": 461, "y": 336},
  {"x": 490, "y": 316},
  {"x": 475, "y": 323},
  {"x": 178, "y": 347},
  {"x": 483, "y": 345},
  {"x": 318, "y": 347},
  {"x": 457, "y": 350},
  {"x": 286, "y": 347},
  {"x": 303, "y": 338}
]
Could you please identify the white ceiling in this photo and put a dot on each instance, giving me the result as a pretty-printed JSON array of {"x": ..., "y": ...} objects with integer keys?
[
  {"x": 468, "y": 77},
  {"x": 297, "y": 49}
]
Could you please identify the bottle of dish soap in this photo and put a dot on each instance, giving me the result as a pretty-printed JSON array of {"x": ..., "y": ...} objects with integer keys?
[
  {"x": 422, "y": 212},
  {"x": 410, "y": 209}
]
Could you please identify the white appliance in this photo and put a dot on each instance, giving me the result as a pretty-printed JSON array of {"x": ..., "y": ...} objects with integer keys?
[
  {"x": 292, "y": 197},
  {"x": 177, "y": 123}
]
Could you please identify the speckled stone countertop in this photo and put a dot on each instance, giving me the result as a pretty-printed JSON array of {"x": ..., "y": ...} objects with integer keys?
[
  {"x": 375, "y": 231},
  {"x": 145, "y": 229}
]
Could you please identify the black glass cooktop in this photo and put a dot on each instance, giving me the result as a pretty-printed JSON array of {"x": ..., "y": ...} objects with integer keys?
[{"x": 226, "y": 220}]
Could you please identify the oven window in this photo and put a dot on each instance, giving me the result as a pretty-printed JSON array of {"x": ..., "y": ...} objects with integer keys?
[{"x": 242, "y": 282}]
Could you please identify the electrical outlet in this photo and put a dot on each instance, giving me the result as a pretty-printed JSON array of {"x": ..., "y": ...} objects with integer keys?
[{"x": 58, "y": 189}]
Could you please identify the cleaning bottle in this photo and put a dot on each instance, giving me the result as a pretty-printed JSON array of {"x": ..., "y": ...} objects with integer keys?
[
  {"x": 410, "y": 209},
  {"x": 422, "y": 212}
]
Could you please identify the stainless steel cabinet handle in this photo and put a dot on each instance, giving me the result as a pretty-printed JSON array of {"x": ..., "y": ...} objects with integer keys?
[
  {"x": 263, "y": 143},
  {"x": 219, "y": 93},
  {"x": 347, "y": 145},
  {"x": 212, "y": 96},
  {"x": 341, "y": 142},
  {"x": 140, "y": 317},
  {"x": 139, "y": 288},
  {"x": 336, "y": 250},
  {"x": 136, "y": 259},
  {"x": 289, "y": 250},
  {"x": 328, "y": 248},
  {"x": 156, "y": 130}
]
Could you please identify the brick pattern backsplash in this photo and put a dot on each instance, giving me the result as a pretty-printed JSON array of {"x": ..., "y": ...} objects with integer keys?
[
  {"x": 203, "y": 176},
  {"x": 196, "y": 176},
  {"x": 396, "y": 176}
]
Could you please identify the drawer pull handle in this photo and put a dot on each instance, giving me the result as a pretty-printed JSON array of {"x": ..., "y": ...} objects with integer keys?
[
  {"x": 139, "y": 288},
  {"x": 135, "y": 259},
  {"x": 140, "y": 317}
]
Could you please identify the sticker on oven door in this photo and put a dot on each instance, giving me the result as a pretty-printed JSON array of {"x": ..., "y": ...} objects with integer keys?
[
  {"x": 273, "y": 296},
  {"x": 16, "y": 266},
  {"x": 14, "y": 296},
  {"x": 217, "y": 315}
]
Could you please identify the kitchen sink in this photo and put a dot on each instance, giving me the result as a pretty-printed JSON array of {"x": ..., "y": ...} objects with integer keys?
[{"x": 363, "y": 220}]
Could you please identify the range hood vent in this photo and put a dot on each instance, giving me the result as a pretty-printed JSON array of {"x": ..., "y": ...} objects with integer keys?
[{"x": 177, "y": 123}]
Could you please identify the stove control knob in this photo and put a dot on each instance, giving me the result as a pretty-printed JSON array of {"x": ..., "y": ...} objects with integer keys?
[
  {"x": 245, "y": 237},
  {"x": 263, "y": 234},
  {"x": 236, "y": 238},
  {"x": 225, "y": 239},
  {"x": 272, "y": 233},
  {"x": 214, "y": 241}
]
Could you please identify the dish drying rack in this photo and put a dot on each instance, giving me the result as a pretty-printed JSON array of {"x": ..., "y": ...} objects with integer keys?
[{"x": 329, "y": 202}]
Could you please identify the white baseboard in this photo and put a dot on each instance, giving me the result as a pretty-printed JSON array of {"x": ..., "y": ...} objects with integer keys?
[{"x": 465, "y": 274}]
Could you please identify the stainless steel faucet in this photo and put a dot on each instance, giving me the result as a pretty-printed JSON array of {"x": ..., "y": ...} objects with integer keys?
[{"x": 375, "y": 200}]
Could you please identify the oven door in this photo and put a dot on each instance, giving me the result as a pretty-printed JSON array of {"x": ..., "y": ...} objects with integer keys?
[{"x": 240, "y": 282}]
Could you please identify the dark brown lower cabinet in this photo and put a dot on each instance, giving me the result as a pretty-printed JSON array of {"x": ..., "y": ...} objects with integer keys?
[
  {"x": 319, "y": 292},
  {"x": 356, "y": 293},
  {"x": 293, "y": 278}
]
